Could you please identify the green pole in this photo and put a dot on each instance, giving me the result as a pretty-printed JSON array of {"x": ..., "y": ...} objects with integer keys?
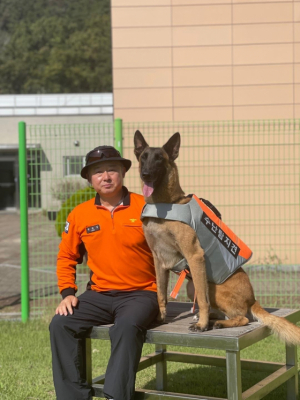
[
  {"x": 24, "y": 222},
  {"x": 118, "y": 135}
]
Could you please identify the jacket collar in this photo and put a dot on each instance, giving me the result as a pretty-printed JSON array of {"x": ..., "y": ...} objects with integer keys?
[{"x": 126, "y": 198}]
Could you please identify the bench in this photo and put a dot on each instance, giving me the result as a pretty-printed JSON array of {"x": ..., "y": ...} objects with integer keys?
[{"x": 232, "y": 340}]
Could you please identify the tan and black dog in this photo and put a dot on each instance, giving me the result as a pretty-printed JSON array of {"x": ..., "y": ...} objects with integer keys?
[{"x": 170, "y": 241}]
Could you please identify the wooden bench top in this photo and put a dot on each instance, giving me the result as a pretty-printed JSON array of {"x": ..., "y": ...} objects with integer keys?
[{"x": 175, "y": 330}]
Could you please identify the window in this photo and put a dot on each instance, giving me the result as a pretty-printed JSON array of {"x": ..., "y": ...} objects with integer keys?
[{"x": 73, "y": 165}]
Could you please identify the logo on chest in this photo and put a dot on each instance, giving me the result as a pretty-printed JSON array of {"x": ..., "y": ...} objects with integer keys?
[{"x": 94, "y": 228}]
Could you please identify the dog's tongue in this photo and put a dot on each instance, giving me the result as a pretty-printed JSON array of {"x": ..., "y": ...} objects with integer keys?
[{"x": 148, "y": 189}]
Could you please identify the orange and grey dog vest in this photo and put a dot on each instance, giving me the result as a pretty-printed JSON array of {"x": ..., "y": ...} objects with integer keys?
[{"x": 224, "y": 251}]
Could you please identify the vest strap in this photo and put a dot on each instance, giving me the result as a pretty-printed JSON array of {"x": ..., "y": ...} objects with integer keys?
[{"x": 179, "y": 283}]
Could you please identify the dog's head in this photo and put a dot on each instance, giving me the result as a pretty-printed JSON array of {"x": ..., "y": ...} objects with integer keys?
[{"x": 154, "y": 161}]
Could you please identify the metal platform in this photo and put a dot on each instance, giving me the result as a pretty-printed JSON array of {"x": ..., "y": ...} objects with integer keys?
[{"x": 175, "y": 332}]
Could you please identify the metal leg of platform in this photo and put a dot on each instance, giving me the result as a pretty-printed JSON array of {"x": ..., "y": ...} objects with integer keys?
[
  {"x": 292, "y": 383},
  {"x": 87, "y": 360},
  {"x": 234, "y": 378},
  {"x": 161, "y": 369}
]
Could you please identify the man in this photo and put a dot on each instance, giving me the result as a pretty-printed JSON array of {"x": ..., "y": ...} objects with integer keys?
[{"x": 122, "y": 286}]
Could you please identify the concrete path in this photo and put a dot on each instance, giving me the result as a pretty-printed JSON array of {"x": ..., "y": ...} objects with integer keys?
[
  {"x": 9, "y": 259},
  {"x": 43, "y": 248}
]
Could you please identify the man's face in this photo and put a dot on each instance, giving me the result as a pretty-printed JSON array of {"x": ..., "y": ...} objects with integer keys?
[{"x": 107, "y": 177}]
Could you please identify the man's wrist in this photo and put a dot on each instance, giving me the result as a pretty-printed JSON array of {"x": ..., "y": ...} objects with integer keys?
[{"x": 68, "y": 292}]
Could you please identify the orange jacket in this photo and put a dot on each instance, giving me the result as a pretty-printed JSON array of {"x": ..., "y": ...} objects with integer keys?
[{"x": 118, "y": 255}]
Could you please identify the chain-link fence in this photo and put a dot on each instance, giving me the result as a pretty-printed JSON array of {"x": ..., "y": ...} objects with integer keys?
[
  {"x": 249, "y": 170},
  {"x": 56, "y": 156}
]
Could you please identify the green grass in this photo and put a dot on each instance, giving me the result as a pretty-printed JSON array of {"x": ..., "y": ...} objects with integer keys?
[{"x": 25, "y": 365}]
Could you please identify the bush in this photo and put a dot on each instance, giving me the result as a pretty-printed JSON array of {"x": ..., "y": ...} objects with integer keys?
[
  {"x": 64, "y": 188},
  {"x": 77, "y": 198}
]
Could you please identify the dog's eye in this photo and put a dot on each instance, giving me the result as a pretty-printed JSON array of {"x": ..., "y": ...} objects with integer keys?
[
  {"x": 145, "y": 156},
  {"x": 157, "y": 157}
]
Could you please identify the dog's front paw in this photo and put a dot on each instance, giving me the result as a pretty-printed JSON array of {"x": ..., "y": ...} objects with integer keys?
[
  {"x": 196, "y": 318},
  {"x": 161, "y": 317},
  {"x": 198, "y": 328}
]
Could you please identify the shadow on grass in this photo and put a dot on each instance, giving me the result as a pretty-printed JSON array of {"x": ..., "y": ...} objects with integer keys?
[{"x": 211, "y": 381}]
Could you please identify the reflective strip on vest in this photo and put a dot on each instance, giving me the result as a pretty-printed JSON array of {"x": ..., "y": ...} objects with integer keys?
[{"x": 224, "y": 251}]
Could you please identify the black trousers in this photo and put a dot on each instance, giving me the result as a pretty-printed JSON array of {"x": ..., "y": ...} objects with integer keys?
[{"x": 130, "y": 312}]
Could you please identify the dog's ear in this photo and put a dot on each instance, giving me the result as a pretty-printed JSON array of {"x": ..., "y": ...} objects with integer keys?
[
  {"x": 172, "y": 146},
  {"x": 139, "y": 144}
]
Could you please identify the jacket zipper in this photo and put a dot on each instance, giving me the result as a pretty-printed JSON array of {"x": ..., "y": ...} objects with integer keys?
[{"x": 112, "y": 218}]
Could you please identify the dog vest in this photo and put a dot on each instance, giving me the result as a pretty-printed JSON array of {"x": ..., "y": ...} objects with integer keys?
[{"x": 224, "y": 251}]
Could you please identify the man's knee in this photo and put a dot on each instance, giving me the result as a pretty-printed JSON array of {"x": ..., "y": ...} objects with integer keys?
[
  {"x": 56, "y": 324},
  {"x": 127, "y": 330},
  {"x": 61, "y": 323}
]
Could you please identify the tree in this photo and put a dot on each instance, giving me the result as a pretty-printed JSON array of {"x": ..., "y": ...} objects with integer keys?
[{"x": 51, "y": 46}]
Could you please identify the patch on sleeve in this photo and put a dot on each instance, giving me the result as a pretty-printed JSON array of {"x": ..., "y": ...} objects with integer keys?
[{"x": 67, "y": 227}]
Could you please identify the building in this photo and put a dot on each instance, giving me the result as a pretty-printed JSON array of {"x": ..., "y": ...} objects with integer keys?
[
  {"x": 235, "y": 61},
  {"x": 205, "y": 59},
  {"x": 50, "y": 109}
]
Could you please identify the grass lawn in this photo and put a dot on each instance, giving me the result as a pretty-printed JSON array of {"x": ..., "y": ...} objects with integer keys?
[{"x": 25, "y": 365}]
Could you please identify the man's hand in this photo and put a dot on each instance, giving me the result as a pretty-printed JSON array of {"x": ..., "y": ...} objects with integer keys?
[{"x": 66, "y": 305}]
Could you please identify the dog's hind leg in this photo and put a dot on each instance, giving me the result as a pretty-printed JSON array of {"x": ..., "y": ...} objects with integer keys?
[
  {"x": 239, "y": 320},
  {"x": 235, "y": 310}
]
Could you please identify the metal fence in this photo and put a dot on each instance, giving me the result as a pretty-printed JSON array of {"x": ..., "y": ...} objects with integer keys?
[
  {"x": 55, "y": 157},
  {"x": 249, "y": 170}
]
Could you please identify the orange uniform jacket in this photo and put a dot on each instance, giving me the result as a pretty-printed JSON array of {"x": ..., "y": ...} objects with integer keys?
[{"x": 118, "y": 255}]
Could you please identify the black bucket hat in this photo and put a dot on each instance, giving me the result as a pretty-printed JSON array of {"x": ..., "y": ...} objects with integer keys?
[{"x": 101, "y": 154}]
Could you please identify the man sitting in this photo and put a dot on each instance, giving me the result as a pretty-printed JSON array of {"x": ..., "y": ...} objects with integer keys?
[{"x": 122, "y": 285}]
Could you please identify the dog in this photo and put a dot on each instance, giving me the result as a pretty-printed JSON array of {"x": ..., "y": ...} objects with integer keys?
[{"x": 170, "y": 241}]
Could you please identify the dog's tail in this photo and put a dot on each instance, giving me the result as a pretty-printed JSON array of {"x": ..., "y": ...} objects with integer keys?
[{"x": 281, "y": 327}]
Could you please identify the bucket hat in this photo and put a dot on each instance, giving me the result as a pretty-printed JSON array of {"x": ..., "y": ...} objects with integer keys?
[{"x": 101, "y": 154}]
